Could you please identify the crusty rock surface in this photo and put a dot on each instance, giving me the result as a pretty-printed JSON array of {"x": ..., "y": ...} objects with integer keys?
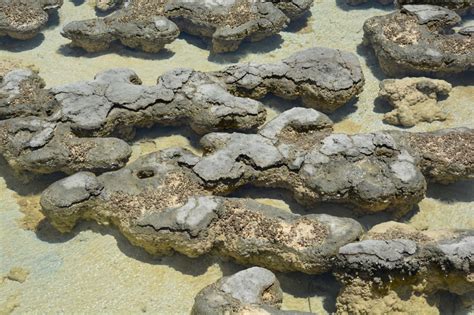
[
  {"x": 252, "y": 291},
  {"x": 414, "y": 99},
  {"x": 399, "y": 269},
  {"x": 323, "y": 78},
  {"x": 414, "y": 41},
  {"x": 106, "y": 5},
  {"x": 24, "y": 19},
  {"x": 44, "y": 131},
  {"x": 296, "y": 151},
  {"x": 150, "y": 25},
  {"x": 460, "y": 6},
  {"x": 159, "y": 204}
]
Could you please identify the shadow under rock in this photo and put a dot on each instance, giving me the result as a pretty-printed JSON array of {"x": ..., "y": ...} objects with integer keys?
[
  {"x": 53, "y": 19},
  {"x": 16, "y": 45},
  {"x": 367, "y": 53},
  {"x": 342, "y": 4},
  {"x": 69, "y": 51},
  {"x": 302, "y": 285},
  {"x": 344, "y": 111},
  {"x": 462, "y": 191},
  {"x": 78, "y": 2},
  {"x": 300, "y": 23},
  {"x": 160, "y": 132},
  {"x": 381, "y": 106},
  {"x": 261, "y": 47}
]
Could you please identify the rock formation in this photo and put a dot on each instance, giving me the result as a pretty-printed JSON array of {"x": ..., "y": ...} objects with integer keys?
[
  {"x": 161, "y": 206},
  {"x": 24, "y": 19},
  {"x": 252, "y": 291},
  {"x": 399, "y": 269},
  {"x": 414, "y": 41},
  {"x": 322, "y": 78},
  {"x": 50, "y": 130},
  {"x": 460, "y": 6},
  {"x": 150, "y": 25},
  {"x": 414, "y": 99}
]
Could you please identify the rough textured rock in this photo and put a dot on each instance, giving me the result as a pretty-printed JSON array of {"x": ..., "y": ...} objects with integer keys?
[
  {"x": 322, "y": 78},
  {"x": 414, "y": 99},
  {"x": 252, "y": 291},
  {"x": 415, "y": 41},
  {"x": 161, "y": 206},
  {"x": 460, "y": 6},
  {"x": 24, "y": 19},
  {"x": 296, "y": 151},
  {"x": 149, "y": 25},
  {"x": 106, "y": 5},
  {"x": 50, "y": 130},
  {"x": 399, "y": 269}
]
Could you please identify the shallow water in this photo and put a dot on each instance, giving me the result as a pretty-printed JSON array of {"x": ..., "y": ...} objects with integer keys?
[{"x": 96, "y": 270}]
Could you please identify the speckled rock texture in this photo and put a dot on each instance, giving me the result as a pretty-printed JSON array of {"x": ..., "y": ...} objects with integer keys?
[
  {"x": 297, "y": 151},
  {"x": 252, "y": 291},
  {"x": 64, "y": 129},
  {"x": 150, "y": 25},
  {"x": 460, "y": 6},
  {"x": 415, "y": 41},
  {"x": 24, "y": 19},
  {"x": 414, "y": 100},
  {"x": 323, "y": 78},
  {"x": 399, "y": 269},
  {"x": 159, "y": 204}
]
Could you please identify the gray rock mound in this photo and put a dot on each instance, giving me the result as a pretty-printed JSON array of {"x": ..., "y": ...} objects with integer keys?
[
  {"x": 24, "y": 19},
  {"x": 322, "y": 78},
  {"x": 161, "y": 206},
  {"x": 415, "y": 41},
  {"x": 252, "y": 291},
  {"x": 64, "y": 128},
  {"x": 150, "y": 25}
]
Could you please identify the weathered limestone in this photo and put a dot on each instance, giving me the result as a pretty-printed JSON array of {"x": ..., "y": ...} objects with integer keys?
[
  {"x": 24, "y": 19},
  {"x": 161, "y": 206},
  {"x": 415, "y": 41},
  {"x": 460, "y": 6},
  {"x": 322, "y": 78},
  {"x": 296, "y": 151},
  {"x": 399, "y": 269},
  {"x": 252, "y": 291},
  {"x": 414, "y": 99},
  {"x": 150, "y": 25},
  {"x": 46, "y": 131},
  {"x": 106, "y": 5}
]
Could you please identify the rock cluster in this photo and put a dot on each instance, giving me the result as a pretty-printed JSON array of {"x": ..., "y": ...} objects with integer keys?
[
  {"x": 150, "y": 25},
  {"x": 24, "y": 19},
  {"x": 414, "y": 99},
  {"x": 399, "y": 269},
  {"x": 65, "y": 128},
  {"x": 252, "y": 291},
  {"x": 415, "y": 41},
  {"x": 460, "y": 6}
]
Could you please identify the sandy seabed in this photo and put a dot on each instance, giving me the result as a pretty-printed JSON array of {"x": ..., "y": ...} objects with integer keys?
[{"x": 95, "y": 270}]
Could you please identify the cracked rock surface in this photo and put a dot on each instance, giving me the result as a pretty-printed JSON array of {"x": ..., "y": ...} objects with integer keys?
[
  {"x": 252, "y": 291},
  {"x": 323, "y": 78},
  {"x": 414, "y": 100},
  {"x": 24, "y": 19},
  {"x": 66, "y": 128},
  {"x": 150, "y": 25},
  {"x": 398, "y": 269},
  {"x": 297, "y": 151},
  {"x": 460, "y": 6},
  {"x": 414, "y": 41},
  {"x": 163, "y": 207}
]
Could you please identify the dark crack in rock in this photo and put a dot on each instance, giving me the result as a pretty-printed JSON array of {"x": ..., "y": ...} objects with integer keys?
[
  {"x": 24, "y": 19},
  {"x": 150, "y": 25},
  {"x": 65, "y": 128},
  {"x": 399, "y": 269},
  {"x": 252, "y": 291},
  {"x": 323, "y": 78},
  {"x": 416, "y": 40},
  {"x": 161, "y": 206}
]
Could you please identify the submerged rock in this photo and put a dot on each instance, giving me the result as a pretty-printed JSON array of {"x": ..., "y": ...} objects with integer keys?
[
  {"x": 252, "y": 291},
  {"x": 323, "y": 78},
  {"x": 399, "y": 269},
  {"x": 415, "y": 41},
  {"x": 64, "y": 128},
  {"x": 161, "y": 206},
  {"x": 414, "y": 99},
  {"x": 24, "y": 19},
  {"x": 150, "y": 25}
]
